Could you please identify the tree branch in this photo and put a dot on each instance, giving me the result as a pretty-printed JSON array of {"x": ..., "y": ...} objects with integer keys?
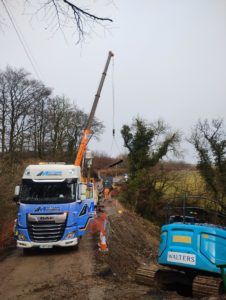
[{"x": 77, "y": 11}]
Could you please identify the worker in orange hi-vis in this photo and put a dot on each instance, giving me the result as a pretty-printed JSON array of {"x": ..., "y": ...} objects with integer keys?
[{"x": 106, "y": 193}]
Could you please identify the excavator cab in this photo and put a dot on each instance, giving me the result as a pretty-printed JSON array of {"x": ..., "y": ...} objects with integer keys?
[{"x": 193, "y": 240}]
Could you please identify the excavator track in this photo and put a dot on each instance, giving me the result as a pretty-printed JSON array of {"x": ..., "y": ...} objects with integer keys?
[
  {"x": 162, "y": 276},
  {"x": 167, "y": 278},
  {"x": 146, "y": 274},
  {"x": 203, "y": 286}
]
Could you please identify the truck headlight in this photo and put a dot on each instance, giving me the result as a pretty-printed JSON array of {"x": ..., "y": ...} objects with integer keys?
[
  {"x": 70, "y": 235},
  {"x": 21, "y": 237}
]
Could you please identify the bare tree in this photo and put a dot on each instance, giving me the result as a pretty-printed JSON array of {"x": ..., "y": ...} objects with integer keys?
[
  {"x": 76, "y": 124},
  {"x": 57, "y": 112},
  {"x": 65, "y": 128},
  {"x": 18, "y": 94},
  {"x": 3, "y": 111},
  {"x": 60, "y": 14},
  {"x": 209, "y": 140},
  {"x": 38, "y": 132},
  {"x": 32, "y": 121}
]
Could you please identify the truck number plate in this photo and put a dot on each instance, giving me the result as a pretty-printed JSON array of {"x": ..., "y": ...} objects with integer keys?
[
  {"x": 45, "y": 246},
  {"x": 180, "y": 257}
]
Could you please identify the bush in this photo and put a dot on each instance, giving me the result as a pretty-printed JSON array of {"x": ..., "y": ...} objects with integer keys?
[{"x": 144, "y": 195}]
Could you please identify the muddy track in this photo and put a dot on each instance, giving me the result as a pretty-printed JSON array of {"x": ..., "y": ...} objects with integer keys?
[
  {"x": 62, "y": 273},
  {"x": 86, "y": 273},
  {"x": 51, "y": 274}
]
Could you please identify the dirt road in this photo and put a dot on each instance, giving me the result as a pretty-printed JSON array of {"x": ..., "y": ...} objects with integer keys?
[
  {"x": 62, "y": 273},
  {"x": 49, "y": 274},
  {"x": 86, "y": 273}
]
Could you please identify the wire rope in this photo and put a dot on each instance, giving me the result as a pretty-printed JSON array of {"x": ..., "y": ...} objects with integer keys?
[
  {"x": 22, "y": 41},
  {"x": 113, "y": 96},
  {"x": 114, "y": 142}
]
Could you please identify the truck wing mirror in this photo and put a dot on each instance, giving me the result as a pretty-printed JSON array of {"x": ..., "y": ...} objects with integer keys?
[{"x": 16, "y": 193}]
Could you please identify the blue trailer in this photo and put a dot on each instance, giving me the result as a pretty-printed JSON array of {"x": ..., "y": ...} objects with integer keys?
[{"x": 54, "y": 207}]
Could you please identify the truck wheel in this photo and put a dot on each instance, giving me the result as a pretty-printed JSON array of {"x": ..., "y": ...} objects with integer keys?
[
  {"x": 26, "y": 251},
  {"x": 75, "y": 247}
]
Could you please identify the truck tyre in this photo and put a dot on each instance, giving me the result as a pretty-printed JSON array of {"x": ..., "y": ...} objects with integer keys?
[
  {"x": 76, "y": 247},
  {"x": 26, "y": 251}
]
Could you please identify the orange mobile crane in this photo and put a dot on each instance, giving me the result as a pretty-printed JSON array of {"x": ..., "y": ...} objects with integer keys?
[{"x": 87, "y": 131}]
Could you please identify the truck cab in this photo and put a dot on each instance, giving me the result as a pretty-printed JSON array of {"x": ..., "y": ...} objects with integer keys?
[{"x": 54, "y": 207}]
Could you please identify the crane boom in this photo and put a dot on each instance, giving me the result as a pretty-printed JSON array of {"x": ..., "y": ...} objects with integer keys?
[{"x": 86, "y": 133}]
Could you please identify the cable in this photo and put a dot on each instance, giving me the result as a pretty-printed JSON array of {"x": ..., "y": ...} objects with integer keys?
[
  {"x": 113, "y": 97},
  {"x": 22, "y": 40},
  {"x": 117, "y": 146},
  {"x": 113, "y": 105},
  {"x": 114, "y": 142},
  {"x": 111, "y": 147}
]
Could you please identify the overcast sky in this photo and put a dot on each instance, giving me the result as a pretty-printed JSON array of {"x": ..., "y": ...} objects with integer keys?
[{"x": 170, "y": 61}]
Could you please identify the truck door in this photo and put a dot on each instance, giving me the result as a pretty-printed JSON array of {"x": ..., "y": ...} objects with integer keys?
[{"x": 86, "y": 208}]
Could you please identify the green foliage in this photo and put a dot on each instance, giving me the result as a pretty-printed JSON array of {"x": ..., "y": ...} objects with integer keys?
[
  {"x": 147, "y": 144},
  {"x": 138, "y": 144},
  {"x": 210, "y": 144},
  {"x": 142, "y": 195}
]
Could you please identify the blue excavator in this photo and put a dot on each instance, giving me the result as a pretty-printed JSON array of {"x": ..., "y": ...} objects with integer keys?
[{"x": 192, "y": 250}]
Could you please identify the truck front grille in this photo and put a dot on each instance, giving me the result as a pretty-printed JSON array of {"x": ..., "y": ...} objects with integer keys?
[{"x": 43, "y": 232}]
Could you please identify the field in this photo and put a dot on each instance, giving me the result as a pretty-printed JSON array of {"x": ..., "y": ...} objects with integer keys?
[{"x": 185, "y": 182}]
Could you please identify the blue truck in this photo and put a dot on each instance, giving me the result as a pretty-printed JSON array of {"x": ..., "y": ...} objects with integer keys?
[{"x": 54, "y": 207}]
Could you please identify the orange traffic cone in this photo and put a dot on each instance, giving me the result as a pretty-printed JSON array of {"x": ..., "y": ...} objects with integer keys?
[{"x": 102, "y": 244}]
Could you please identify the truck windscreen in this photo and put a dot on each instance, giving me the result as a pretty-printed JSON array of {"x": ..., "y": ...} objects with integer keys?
[{"x": 48, "y": 192}]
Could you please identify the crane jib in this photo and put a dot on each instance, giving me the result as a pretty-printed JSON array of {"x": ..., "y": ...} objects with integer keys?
[{"x": 86, "y": 133}]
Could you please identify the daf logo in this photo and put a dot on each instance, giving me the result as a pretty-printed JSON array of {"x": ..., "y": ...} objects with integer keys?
[
  {"x": 47, "y": 218},
  {"x": 58, "y": 218}
]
